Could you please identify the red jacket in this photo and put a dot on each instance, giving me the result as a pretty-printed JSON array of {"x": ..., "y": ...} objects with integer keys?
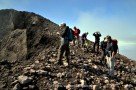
[{"x": 76, "y": 32}]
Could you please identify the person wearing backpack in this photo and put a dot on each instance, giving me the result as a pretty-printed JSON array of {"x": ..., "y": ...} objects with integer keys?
[
  {"x": 97, "y": 36},
  {"x": 111, "y": 50},
  {"x": 76, "y": 33},
  {"x": 66, "y": 36},
  {"x": 84, "y": 38}
]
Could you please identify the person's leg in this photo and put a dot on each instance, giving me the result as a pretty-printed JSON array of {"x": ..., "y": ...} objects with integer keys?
[
  {"x": 112, "y": 66},
  {"x": 97, "y": 47},
  {"x": 83, "y": 42},
  {"x": 61, "y": 52},
  {"x": 109, "y": 65},
  {"x": 102, "y": 57},
  {"x": 78, "y": 42},
  {"x": 108, "y": 61},
  {"x": 94, "y": 46},
  {"x": 67, "y": 54},
  {"x": 74, "y": 41}
]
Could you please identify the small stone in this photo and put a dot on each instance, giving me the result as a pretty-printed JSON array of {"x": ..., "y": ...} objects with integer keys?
[
  {"x": 31, "y": 87},
  {"x": 113, "y": 87},
  {"x": 24, "y": 79},
  {"x": 17, "y": 87},
  {"x": 68, "y": 87},
  {"x": 37, "y": 62},
  {"x": 65, "y": 64},
  {"x": 48, "y": 66},
  {"x": 105, "y": 77},
  {"x": 55, "y": 82},
  {"x": 92, "y": 76},
  {"x": 52, "y": 60},
  {"x": 25, "y": 88},
  {"x": 55, "y": 55},
  {"x": 3, "y": 85},
  {"x": 43, "y": 57},
  {"x": 41, "y": 72},
  {"x": 127, "y": 86},
  {"x": 112, "y": 81},
  {"x": 27, "y": 68},
  {"x": 106, "y": 81},
  {"x": 94, "y": 66},
  {"x": 89, "y": 60},
  {"x": 56, "y": 85},
  {"x": 82, "y": 82},
  {"x": 32, "y": 71},
  {"x": 59, "y": 75},
  {"x": 95, "y": 87},
  {"x": 15, "y": 82},
  {"x": 32, "y": 66}
]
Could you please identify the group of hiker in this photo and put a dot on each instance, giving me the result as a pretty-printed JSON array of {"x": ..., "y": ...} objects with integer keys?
[{"x": 108, "y": 46}]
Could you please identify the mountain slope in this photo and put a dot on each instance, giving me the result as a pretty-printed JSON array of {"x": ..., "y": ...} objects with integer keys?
[{"x": 28, "y": 59}]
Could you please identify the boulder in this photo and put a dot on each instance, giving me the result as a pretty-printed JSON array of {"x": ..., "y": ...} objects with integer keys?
[{"x": 24, "y": 79}]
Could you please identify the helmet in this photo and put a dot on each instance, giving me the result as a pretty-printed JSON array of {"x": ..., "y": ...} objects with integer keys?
[{"x": 108, "y": 37}]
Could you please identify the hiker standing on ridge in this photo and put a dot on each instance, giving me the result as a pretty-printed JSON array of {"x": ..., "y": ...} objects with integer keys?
[
  {"x": 84, "y": 38},
  {"x": 97, "y": 36},
  {"x": 76, "y": 33},
  {"x": 111, "y": 51},
  {"x": 66, "y": 37}
]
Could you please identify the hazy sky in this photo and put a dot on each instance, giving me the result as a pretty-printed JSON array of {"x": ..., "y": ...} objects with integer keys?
[{"x": 111, "y": 17}]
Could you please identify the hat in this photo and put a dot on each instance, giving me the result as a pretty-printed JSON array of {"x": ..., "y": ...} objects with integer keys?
[
  {"x": 63, "y": 24},
  {"x": 97, "y": 32},
  {"x": 74, "y": 27},
  {"x": 108, "y": 37}
]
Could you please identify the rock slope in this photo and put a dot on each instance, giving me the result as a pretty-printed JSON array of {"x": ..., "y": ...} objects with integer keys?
[{"x": 28, "y": 59}]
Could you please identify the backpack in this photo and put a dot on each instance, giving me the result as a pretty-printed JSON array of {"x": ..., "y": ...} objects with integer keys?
[
  {"x": 78, "y": 30},
  {"x": 114, "y": 42},
  {"x": 114, "y": 45},
  {"x": 70, "y": 35},
  {"x": 103, "y": 45}
]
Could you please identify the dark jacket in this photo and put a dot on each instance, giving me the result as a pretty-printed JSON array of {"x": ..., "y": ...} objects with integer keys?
[
  {"x": 64, "y": 32},
  {"x": 97, "y": 36},
  {"x": 64, "y": 36},
  {"x": 111, "y": 48},
  {"x": 103, "y": 45},
  {"x": 84, "y": 36}
]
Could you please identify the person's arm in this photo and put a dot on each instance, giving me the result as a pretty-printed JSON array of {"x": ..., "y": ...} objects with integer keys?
[
  {"x": 93, "y": 34},
  {"x": 65, "y": 31},
  {"x": 86, "y": 37},
  {"x": 113, "y": 54},
  {"x": 100, "y": 35}
]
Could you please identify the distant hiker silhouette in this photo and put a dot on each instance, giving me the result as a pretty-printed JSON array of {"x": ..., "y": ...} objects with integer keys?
[
  {"x": 97, "y": 36},
  {"x": 84, "y": 38},
  {"x": 66, "y": 36},
  {"x": 76, "y": 33}
]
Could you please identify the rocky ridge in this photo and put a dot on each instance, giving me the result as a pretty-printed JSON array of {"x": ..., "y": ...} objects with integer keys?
[{"x": 28, "y": 59}]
